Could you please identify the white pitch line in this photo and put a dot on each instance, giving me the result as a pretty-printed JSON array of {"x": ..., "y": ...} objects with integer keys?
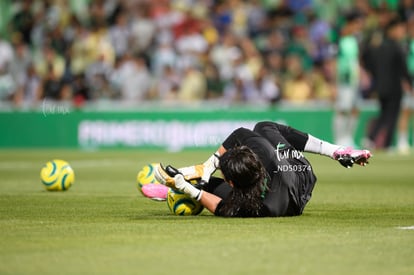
[{"x": 406, "y": 227}]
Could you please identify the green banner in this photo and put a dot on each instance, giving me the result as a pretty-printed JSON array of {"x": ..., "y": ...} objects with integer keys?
[{"x": 173, "y": 129}]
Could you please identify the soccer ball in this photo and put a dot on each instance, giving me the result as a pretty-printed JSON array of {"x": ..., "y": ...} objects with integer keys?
[
  {"x": 182, "y": 204},
  {"x": 57, "y": 175},
  {"x": 148, "y": 185}
]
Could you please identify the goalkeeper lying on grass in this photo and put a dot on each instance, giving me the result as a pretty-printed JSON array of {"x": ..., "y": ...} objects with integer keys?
[{"x": 265, "y": 173}]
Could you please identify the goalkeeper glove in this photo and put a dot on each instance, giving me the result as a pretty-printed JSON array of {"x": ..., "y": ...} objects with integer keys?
[
  {"x": 203, "y": 171},
  {"x": 165, "y": 176},
  {"x": 184, "y": 186},
  {"x": 173, "y": 178}
]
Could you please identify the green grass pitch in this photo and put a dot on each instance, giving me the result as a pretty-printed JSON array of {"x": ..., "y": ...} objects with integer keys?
[{"x": 103, "y": 225}]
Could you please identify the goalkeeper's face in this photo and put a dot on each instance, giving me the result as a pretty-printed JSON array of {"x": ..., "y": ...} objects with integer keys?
[{"x": 241, "y": 167}]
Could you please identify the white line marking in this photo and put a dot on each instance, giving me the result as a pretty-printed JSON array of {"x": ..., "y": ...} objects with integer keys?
[{"x": 406, "y": 227}]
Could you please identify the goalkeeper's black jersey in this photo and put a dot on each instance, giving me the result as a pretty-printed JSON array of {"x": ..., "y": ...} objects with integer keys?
[{"x": 290, "y": 176}]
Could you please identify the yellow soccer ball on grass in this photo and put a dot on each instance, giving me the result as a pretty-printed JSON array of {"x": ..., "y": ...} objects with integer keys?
[
  {"x": 146, "y": 175},
  {"x": 57, "y": 175},
  {"x": 182, "y": 204}
]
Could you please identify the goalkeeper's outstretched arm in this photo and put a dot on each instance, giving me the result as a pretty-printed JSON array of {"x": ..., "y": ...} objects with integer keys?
[{"x": 208, "y": 200}]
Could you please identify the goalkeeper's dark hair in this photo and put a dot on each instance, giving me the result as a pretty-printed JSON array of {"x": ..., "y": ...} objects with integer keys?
[{"x": 243, "y": 168}]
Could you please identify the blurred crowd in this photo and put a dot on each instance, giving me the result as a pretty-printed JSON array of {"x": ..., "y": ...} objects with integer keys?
[{"x": 182, "y": 50}]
